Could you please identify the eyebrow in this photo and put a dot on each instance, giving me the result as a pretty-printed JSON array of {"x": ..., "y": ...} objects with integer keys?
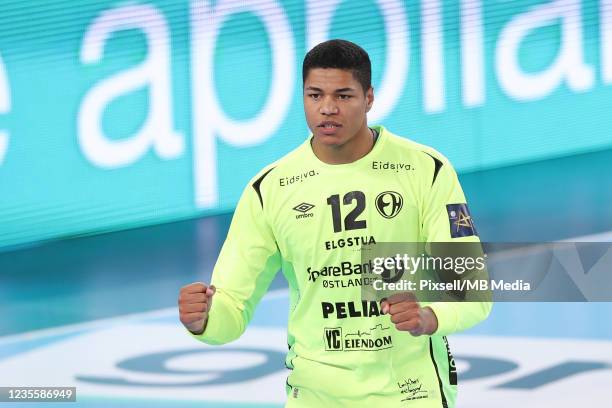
[{"x": 314, "y": 88}]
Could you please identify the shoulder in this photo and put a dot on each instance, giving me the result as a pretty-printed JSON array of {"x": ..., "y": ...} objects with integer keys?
[
  {"x": 278, "y": 171},
  {"x": 417, "y": 150},
  {"x": 427, "y": 161}
]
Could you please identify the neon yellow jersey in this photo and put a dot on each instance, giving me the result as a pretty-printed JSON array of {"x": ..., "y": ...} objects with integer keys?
[{"x": 309, "y": 219}]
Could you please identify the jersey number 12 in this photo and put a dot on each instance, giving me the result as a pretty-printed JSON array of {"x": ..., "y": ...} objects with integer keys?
[{"x": 350, "y": 220}]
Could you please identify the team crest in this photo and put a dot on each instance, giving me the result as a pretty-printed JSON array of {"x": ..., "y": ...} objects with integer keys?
[{"x": 389, "y": 203}]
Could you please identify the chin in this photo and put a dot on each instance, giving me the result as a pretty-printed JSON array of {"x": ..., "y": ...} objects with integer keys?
[{"x": 330, "y": 140}]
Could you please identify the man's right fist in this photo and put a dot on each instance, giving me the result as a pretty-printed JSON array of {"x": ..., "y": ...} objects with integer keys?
[{"x": 194, "y": 302}]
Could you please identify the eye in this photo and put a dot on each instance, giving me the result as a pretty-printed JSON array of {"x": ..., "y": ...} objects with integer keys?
[
  {"x": 344, "y": 97},
  {"x": 314, "y": 96}
]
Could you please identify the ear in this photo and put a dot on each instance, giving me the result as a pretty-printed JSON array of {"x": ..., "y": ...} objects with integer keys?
[{"x": 369, "y": 98}]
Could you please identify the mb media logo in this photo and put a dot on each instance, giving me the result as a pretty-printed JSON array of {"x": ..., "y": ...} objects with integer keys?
[
  {"x": 303, "y": 208},
  {"x": 333, "y": 339}
]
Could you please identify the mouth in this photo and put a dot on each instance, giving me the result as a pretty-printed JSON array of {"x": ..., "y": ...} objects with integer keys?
[
  {"x": 329, "y": 127},
  {"x": 329, "y": 124}
]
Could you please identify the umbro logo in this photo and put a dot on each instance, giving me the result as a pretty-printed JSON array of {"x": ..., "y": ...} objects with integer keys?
[{"x": 303, "y": 208}]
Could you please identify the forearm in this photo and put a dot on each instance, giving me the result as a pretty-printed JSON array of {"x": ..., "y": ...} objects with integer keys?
[
  {"x": 225, "y": 321},
  {"x": 454, "y": 317}
]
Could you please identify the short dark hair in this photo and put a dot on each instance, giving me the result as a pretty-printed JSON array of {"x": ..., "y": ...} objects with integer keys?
[{"x": 340, "y": 54}]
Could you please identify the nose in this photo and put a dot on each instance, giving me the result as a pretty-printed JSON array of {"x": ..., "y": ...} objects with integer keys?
[{"x": 328, "y": 106}]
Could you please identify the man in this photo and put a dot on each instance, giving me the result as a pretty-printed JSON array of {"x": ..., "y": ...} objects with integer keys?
[{"x": 308, "y": 214}]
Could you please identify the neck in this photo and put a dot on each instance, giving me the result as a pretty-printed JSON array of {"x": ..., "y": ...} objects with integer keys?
[{"x": 353, "y": 150}]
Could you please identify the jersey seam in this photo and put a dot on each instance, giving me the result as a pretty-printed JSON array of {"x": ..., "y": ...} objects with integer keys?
[
  {"x": 257, "y": 185},
  {"x": 433, "y": 360}
]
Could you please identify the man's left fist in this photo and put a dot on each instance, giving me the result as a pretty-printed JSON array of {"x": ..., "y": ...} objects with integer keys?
[{"x": 407, "y": 315}]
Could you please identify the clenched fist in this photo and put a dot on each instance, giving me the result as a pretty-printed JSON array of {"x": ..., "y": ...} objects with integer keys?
[
  {"x": 194, "y": 302},
  {"x": 408, "y": 315}
]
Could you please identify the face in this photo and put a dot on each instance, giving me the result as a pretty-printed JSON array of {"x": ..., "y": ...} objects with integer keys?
[{"x": 335, "y": 105}]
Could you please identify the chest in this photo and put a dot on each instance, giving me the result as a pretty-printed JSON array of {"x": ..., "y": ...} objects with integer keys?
[{"x": 332, "y": 217}]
